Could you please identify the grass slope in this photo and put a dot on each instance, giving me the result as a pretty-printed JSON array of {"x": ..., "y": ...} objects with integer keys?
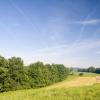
[{"x": 73, "y": 88}]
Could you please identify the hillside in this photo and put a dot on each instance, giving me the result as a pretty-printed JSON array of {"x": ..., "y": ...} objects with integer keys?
[{"x": 73, "y": 88}]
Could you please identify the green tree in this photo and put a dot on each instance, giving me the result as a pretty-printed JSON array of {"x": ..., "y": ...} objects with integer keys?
[
  {"x": 17, "y": 73},
  {"x": 36, "y": 74},
  {"x": 91, "y": 69},
  {"x": 3, "y": 62},
  {"x": 14, "y": 75},
  {"x": 4, "y": 75}
]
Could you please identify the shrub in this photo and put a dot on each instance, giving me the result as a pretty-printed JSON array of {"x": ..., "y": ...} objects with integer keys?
[{"x": 81, "y": 74}]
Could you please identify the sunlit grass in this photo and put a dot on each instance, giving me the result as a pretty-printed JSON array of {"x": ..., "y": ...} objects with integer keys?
[
  {"x": 78, "y": 93},
  {"x": 65, "y": 90}
]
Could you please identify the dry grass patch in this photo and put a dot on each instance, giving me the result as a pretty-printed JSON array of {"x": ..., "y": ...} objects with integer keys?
[{"x": 77, "y": 82}]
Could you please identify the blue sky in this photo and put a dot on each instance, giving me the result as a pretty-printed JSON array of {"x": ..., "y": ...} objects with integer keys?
[{"x": 52, "y": 31}]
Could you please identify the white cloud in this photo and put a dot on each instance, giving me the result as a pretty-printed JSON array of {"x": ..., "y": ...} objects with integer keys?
[{"x": 89, "y": 22}]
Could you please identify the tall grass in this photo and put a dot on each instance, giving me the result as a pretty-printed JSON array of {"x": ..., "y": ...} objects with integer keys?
[
  {"x": 73, "y": 93},
  {"x": 79, "y": 93}
]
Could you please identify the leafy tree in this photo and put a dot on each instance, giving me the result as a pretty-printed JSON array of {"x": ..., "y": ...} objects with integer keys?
[
  {"x": 4, "y": 75},
  {"x": 3, "y": 78},
  {"x": 91, "y": 69},
  {"x": 17, "y": 73},
  {"x": 14, "y": 75},
  {"x": 97, "y": 70},
  {"x": 36, "y": 74},
  {"x": 3, "y": 62}
]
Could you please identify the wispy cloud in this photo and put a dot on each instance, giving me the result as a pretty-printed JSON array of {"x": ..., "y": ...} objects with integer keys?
[
  {"x": 83, "y": 45},
  {"x": 63, "y": 53},
  {"x": 89, "y": 22},
  {"x": 69, "y": 55}
]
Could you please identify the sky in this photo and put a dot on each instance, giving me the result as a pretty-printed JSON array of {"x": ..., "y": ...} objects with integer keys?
[{"x": 51, "y": 31}]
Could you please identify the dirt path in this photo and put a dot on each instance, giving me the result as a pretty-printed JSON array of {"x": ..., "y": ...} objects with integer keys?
[{"x": 79, "y": 81}]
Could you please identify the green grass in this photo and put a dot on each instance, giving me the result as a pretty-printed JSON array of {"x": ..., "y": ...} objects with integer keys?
[
  {"x": 79, "y": 93},
  {"x": 90, "y": 75},
  {"x": 86, "y": 74},
  {"x": 91, "y": 92}
]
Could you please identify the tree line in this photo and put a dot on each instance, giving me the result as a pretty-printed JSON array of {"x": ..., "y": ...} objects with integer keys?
[
  {"x": 15, "y": 75},
  {"x": 90, "y": 69}
]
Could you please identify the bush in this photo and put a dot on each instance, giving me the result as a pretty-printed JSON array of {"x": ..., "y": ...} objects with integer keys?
[{"x": 81, "y": 74}]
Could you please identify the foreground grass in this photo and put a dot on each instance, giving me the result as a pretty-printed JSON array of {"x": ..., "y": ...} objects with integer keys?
[
  {"x": 73, "y": 88},
  {"x": 78, "y": 93}
]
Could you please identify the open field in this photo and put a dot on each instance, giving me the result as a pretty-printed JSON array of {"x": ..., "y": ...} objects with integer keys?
[
  {"x": 77, "y": 81},
  {"x": 73, "y": 88}
]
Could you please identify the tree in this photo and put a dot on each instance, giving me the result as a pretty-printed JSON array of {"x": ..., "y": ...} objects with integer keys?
[
  {"x": 4, "y": 75},
  {"x": 36, "y": 74},
  {"x": 91, "y": 69},
  {"x": 3, "y": 62},
  {"x": 17, "y": 73},
  {"x": 61, "y": 71},
  {"x": 4, "y": 79},
  {"x": 97, "y": 70},
  {"x": 14, "y": 75}
]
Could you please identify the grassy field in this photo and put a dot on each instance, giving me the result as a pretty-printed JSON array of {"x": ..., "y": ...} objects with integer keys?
[{"x": 73, "y": 88}]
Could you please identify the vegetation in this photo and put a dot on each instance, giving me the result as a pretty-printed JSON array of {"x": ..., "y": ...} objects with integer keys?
[
  {"x": 14, "y": 75},
  {"x": 91, "y": 69},
  {"x": 81, "y": 74},
  {"x": 97, "y": 70},
  {"x": 91, "y": 92}
]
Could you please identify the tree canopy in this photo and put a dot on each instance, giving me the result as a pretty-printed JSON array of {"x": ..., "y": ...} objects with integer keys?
[{"x": 15, "y": 75}]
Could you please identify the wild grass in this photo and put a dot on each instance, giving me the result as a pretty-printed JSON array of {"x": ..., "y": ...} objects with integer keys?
[
  {"x": 78, "y": 93},
  {"x": 60, "y": 91}
]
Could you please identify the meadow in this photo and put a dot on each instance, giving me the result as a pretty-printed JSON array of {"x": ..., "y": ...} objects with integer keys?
[{"x": 73, "y": 88}]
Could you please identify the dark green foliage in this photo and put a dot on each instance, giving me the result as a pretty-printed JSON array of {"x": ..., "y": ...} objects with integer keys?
[
  {"x": 14, "y": 75},
  {"x": 82, "y": 70},
  {"x": 3, "y": 62},
  {"x": 4, "y": 75},
  {"x": 91, "y": 69},
  {"x": 81, "y": 74},
  {"x": 97, "y": 70},
  {"x": 43, "y": 75}
]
